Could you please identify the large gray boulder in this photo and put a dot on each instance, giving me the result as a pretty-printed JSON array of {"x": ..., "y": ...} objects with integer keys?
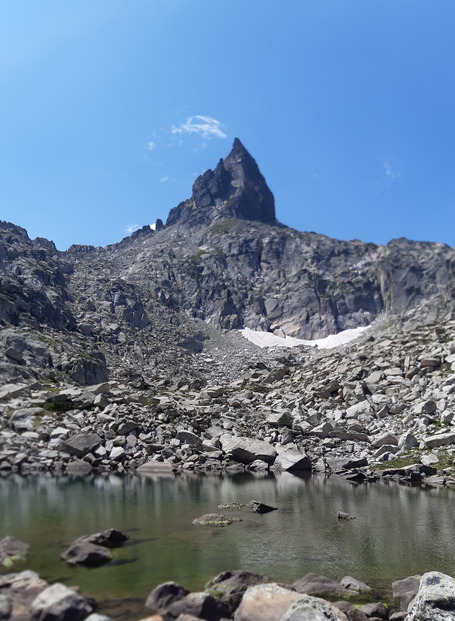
[
  {"x": 247, "y": 450},
  {"x": 435, "y": 600},
  {"x": 23, "y": 418},
  {"x": 441, "y": 439},
  {"x": 81, "y": 444},
  {"x": 11, "y": 391},
  {"x": 59, "y": 603},
  {"x": 88, "y": 369},
  {"x": 164, "y": 595},
  {"x": 291, "y": 459},
  {"x": 20, "y": 590},
  {"x": 265, "y": 602}
]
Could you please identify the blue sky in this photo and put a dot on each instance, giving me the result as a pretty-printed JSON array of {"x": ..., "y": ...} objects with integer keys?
[{"x": 111, "y": 108}]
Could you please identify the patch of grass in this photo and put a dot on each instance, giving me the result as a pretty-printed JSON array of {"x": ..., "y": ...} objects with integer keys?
[
  {"x": 189, "y": 266},
  {"x": 445, "y": 460},
  {"x": 59, "y": 407},
  {"x": 222, "y": 227},
  {"x": 446, "y": 368},
  {"x": 401, "y": 462}
]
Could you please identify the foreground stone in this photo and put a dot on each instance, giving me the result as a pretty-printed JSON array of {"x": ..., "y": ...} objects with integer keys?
[
  {"x": 229, "y": 586},
  {"x": 435, "y": 600},
  {"x": 200, "y": 605},
  {"x": 265, "y": 602},
  {"x": 406, "y": 590},
  {"x": 164, "y": 595},
  {"x": 19, "y": 590},
  {"x": 271, "y": 602},
  {"x": 315, "y": 584},
  {"x": 59, "y": 603}
]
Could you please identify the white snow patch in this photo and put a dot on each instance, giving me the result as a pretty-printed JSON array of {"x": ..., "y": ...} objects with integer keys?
[{"x": 267, "y": 339}]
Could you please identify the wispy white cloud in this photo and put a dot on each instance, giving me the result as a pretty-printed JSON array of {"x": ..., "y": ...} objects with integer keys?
[
  {"x": 164, "y": 179},
  {"x": 393, "y": 174},
  {"x": 131, "y": 228},
  {"x": 203, "y": 126},
  {"x": 150, "y": 145}
]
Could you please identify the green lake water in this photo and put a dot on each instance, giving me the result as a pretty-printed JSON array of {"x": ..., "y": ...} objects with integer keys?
[{"x": 398, "y": 530}]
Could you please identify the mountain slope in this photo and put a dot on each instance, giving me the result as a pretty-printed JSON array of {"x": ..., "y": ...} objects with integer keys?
[{"x": 155, "y": 300}]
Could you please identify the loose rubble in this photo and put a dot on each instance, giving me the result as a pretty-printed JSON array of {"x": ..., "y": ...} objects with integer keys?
[{"x": 380, "y": 407}]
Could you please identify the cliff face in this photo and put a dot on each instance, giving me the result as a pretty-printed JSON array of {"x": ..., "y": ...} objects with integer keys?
[{"x": 222, "y": 258}]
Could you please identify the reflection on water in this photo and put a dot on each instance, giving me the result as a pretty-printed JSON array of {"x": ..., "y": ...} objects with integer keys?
[{"x": 398, "y": 530}]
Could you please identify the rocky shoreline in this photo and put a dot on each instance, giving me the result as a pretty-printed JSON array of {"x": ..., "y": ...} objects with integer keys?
[{"x": 237, "y": 595}]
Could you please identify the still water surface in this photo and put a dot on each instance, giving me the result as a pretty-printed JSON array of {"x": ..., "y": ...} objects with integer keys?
[{"x": 398, "y": 530}]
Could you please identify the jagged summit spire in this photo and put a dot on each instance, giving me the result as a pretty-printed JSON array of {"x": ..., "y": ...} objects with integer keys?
[{"x": 235, "y": 189}]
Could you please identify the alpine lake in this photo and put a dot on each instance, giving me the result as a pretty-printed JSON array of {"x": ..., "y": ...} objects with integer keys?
[{"x": 399, "y": 530}]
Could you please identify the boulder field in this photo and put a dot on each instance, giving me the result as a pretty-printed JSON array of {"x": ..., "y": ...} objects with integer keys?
[{"x": 380, "y": 406}]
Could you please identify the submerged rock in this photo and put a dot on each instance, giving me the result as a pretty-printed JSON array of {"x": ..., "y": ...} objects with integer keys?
[
  {"x": 216, "y": 519},
  {"x": 345, "y": 516},
  {"x": 85, "y": 553},
  {"x": 12, "y": 550}
]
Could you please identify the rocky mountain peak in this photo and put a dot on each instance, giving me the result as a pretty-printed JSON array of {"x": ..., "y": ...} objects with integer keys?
[{"x": 235, "y": 189}]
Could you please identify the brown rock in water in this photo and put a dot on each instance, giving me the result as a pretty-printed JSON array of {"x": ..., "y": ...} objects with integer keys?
[
  {"x": 260, "y": 507},
  {"x": 86, "y": 553},
  {"x": 110, "y": 538}
]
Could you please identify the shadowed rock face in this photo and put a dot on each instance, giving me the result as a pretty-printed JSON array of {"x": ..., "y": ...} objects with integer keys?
[{"x": 235, "y": 189}]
